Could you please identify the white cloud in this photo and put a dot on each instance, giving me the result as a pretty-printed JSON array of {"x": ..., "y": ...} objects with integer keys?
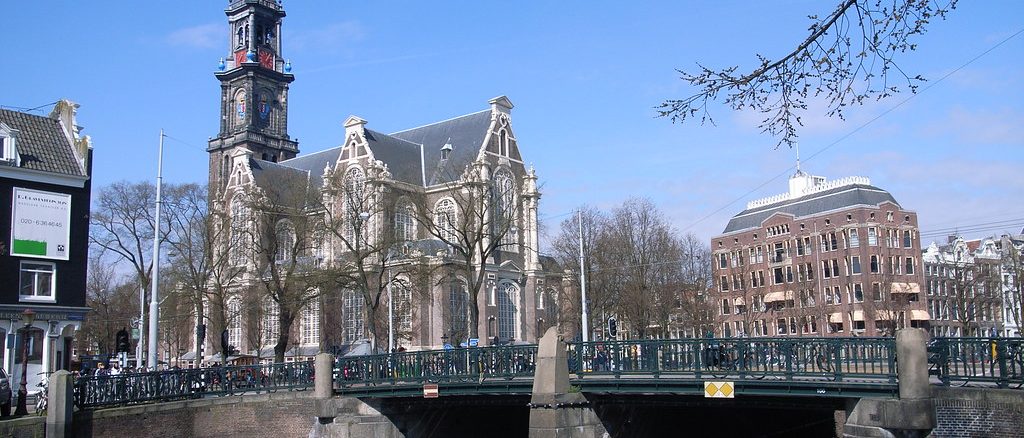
[{"x": 204, "y": 36}]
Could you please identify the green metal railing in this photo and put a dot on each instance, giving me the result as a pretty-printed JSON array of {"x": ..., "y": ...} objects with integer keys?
[
  {"x": 159, "y": 386},
  {"x": 433, "y": 366},
  {"x": 963, "y": 361},
  {"x": 835, "y": 359}
]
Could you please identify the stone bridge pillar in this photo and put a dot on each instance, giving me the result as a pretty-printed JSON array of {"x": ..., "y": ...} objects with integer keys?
[
  {"x": 913, "y": 414},
  {"x": 555, "y": 412},
  {"x": 344, "y": 417}
]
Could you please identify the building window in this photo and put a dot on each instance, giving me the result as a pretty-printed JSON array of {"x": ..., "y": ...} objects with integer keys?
[
  {"x": 505, "y": 209},
  {"x": 876, "y": 292},
  {"x": 458, "y": 311},
  {"x": 724, "y": 283},
  {"x": 352, "y": 316},
  {"x": 726, "y": 307},
  {"x": 38, "y": 282},
  {"x": 403, "y": 308},
  {"x": 285, "y": 241},
  {"x": 508, "y": 297},
  {"x": 906, "y": 239},
  {"x": 872, "y": 236},
  {"x": 311, "y": 323},
  {"x": 723, "y": 261},
  {"x": 445, "y": 219},
  {"x": 405, "y": 222},
  {"x": 854, "y": 238},
  {"x": 239, "y": 243},
  {"x": 909, "y": 266},
  {"x": 858, "y": 293},
  {"x": 855, "y": 264},
  {"x": 874, "y": 264},
  {"x": 354, "y": 205},
  {"x": 234, "y": 315},
  {"x": 271, "y": 325}
]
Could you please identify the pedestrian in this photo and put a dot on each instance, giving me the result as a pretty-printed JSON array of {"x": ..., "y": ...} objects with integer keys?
[
  {"x": 101, "y": 370},
  {"x": 115, "y": 370}
]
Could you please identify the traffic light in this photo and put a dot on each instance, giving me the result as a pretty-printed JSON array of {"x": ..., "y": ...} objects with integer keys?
[
  {"x": 123, "y": 343},
  {"x": 613, "y": 328}
]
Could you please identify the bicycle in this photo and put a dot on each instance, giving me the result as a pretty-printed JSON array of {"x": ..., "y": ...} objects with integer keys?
[{"x": 42, "y": 397}]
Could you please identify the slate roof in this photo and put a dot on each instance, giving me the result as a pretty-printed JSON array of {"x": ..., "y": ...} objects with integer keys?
[
  {"x": 467, "y": 135},
  {"x": 815, "y": 203},
  {"x": 407, "y": 153},
  {"x": 402, "y": 157},
  {"x": 42, "y": 144},
  {"x": 283, "y": 184}
]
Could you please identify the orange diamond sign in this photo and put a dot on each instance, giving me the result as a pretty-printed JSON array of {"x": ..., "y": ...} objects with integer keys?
[{"x": 719, "y": 390}]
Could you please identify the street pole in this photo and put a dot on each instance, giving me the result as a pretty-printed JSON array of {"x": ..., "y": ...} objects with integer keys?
[
  {"x": 391, "y": 318},
  {"x": 583, "y": 284},
  {"x": 154, "y": 301},
  {"x": 142, "y": 321}
]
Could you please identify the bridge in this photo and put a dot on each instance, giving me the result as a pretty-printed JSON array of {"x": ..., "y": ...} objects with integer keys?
[{"x": 584, "y": 379}]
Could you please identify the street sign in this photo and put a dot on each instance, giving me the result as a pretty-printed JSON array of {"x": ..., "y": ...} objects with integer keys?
[
  {"x": 430, "y": 390},
  {"x": 473, "y": 342},
  {"x": 719, "y": 390},
  {"x": 448, "y": 347}
]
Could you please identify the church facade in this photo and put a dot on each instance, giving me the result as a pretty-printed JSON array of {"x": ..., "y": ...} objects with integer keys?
[{"x": 417, "y": 238}]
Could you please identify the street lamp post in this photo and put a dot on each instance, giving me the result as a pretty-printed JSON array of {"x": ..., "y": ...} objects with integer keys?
[{"x": 27, "y": 317}]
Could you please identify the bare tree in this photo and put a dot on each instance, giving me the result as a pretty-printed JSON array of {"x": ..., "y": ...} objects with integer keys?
[
  {"x": 475, "y": 218},
  {"x": 649, "y": 258},
  {"x": 112, "y": 303},
  {"x": 566, "y": 248},
  {"x": 281, "y": 234},
  {"x": 848, "y": 57}
]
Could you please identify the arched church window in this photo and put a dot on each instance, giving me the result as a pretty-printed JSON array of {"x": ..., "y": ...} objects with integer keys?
[
  {"x": 458, "y": 311},
  {"x": 505, "y": 209},
  {"x": 238, "y": 236},
  {"x": 285, "y": 240},
  {"x": 271, "y": 325},
  {"x": 234, "y": 317},
  {"x": 445, "y": 219},
  {"x": 405, "y": 221},
  {"x": 352, "y": 316},
  {"x": 503, "y": 143},
  {"x": 508, "y": 300},
  {"x": 354, "y": 205},
  {"x": 311, "y": 323}
]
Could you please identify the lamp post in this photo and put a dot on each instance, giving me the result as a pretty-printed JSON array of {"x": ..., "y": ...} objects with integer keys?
[{"x": 27, "y": 318}]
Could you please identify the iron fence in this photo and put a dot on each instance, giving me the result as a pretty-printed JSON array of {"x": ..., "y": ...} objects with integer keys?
[
  {"x": 963, "y": 361},
  {"x": 158, "y": 386},
  {"x": 456, "y": 365},
  {"x": 835, "y": 359}
]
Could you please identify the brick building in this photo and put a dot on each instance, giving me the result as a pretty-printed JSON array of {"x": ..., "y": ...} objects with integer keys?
[{"x": 827, "y": 258}]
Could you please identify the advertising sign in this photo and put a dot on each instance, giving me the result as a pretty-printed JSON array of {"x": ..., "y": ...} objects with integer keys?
[{"x": 40, "y": 224}]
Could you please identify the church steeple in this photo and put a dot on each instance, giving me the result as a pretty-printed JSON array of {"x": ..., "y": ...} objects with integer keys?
[{"x": 254, "y": 80}]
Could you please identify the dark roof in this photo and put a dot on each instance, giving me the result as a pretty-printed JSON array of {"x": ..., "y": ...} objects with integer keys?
[
  {"x": 42, "y": 144},
  {"x": 401, "y": 151},
  {"x": 466, "y": 134},
  {"x": 815, "y": 203},
  {"x": 402, "y": 157},
  {"x": 315, "y": 163},
  {"x": 285, "y": 185},
  {"x": 549, "y": 264}
]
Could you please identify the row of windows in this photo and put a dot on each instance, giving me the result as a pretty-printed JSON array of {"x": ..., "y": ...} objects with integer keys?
[
  {"x": 828, "y": 241},
  {"x": 950, "y": 310},
  {"x": 829, "y": 269},
  {"x": 852, "y": 293},
  {"x": 802, "y": 325}
]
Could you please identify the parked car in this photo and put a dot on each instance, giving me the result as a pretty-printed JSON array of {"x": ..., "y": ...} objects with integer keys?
[{"x": 5, "y": 394}]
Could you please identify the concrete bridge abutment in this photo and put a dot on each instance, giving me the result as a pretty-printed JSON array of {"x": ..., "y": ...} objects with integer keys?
[
  {"x": 913, "y": 413},
  {"x": 555, "y": 411}
]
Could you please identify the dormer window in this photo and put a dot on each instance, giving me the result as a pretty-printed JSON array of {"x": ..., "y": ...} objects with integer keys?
[
  {"x": 446, "y": 151},
  {"x": 8, "y": 152}
]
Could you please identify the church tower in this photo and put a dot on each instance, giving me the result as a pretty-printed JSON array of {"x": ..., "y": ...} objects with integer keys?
[{"x": 253, "y": 90}]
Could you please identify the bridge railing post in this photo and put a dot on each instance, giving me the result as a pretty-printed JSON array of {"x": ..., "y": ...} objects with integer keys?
[
  {"x": 323, "y": 373},
  {"x": 912, "y": 354},
  {"x": 1000, "y": 351}
]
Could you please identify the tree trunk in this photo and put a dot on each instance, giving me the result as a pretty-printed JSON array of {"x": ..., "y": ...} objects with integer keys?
[{"x": 284, "y": 320}]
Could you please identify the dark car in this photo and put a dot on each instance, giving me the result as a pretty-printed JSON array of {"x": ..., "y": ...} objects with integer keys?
[{"x": 5, "y": 393}]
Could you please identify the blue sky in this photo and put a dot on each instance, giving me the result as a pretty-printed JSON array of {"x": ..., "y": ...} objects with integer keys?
[{"x": 584, "y": 77}]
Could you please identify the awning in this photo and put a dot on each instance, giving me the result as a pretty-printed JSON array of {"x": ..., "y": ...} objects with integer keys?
[
  {"x": 858, "y": 315},
  {"x": 920, "y": 315},
  {"x": 778, "y": 296},
  {"x": 738, "y": 301},
  {"x": 905, "y": 288},
  {"x": 835, "y": 318}
]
